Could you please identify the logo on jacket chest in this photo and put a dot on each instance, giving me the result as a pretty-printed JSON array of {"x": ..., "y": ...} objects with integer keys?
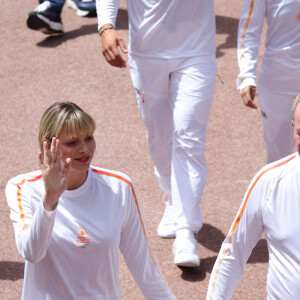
[{"x": 82, "y": 239}]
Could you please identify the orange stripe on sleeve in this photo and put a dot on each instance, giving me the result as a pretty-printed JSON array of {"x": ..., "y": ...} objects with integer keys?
[
  {"x": 20, "y": 200},
  {"x": 238, "y": 218},
  {"x": 250, "y": 190},
  {"x": 246, "y": 25},
  {"x": 244, "y": 32},
  {"x": 138, "y": 209}
]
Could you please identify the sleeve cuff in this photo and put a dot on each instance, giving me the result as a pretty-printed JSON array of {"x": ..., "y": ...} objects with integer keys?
[
  {"x": 104, "y": 22},
  {"x": 49, "y": 214},
  {"x": 242, "y": 83}
]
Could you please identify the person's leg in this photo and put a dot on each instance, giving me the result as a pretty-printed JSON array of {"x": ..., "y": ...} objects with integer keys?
[
  {"x": 150, "y": 79},
  {"x": 276, "y": 115},
  {"x": 192, "y": 87}
]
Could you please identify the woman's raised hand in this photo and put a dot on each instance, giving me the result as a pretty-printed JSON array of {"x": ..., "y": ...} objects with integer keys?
[{"x": 55, "y": 173}]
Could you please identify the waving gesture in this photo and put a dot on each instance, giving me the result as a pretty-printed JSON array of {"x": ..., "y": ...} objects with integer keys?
[{"x": 55, "y": 173}]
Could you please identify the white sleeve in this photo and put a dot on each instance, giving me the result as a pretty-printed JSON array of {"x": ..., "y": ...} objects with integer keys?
[
  {"x": 248, "y": 40},
  {"x": 107, "y": 12},
  {"x": 33, "y": 227},
  {"x": 139, "y": 258},
  {"x": 243, "y": 235}
]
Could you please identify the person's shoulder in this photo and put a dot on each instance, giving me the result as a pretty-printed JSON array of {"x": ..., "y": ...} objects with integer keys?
[
  {"x": 30, "y": 177},
  {"x": 278, "y": 169},
  {"x": 111, "y": 177},
  {"x": 27, "y": 181}
]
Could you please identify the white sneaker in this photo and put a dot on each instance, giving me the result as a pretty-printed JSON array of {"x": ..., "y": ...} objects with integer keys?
[
  {"x": 84, "y": 8},
  {"x": 185, "y": 249},
  {"x": 166, "y": 228}
]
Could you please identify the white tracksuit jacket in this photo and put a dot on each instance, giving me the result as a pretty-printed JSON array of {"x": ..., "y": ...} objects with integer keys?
[
  {"x": 72, "y": 252},
  {"x": 280, "y": 70},
  {"x": 271, "y": 205},
  {"x": 154, "y": 33}
]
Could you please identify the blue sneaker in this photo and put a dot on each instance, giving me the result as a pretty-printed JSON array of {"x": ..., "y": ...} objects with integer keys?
[
  {"x": 46, "y": 19},
  {"x": 84, "y": 8}
]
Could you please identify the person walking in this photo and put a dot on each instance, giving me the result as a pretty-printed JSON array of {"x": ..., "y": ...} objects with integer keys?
[
  {"x": 172, "y": 64},
  {"x": 279, "y": 77}
]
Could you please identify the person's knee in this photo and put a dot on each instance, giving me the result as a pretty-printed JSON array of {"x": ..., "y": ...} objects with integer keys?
[{"x": 192, "y": 141}]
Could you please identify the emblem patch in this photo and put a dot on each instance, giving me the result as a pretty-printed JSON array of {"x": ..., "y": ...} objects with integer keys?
[{"x": 82, "y": 239}]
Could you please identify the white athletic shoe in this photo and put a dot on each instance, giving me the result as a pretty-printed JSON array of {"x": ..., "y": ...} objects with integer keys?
[
  {"x": 166, "y": 228},
  {"x": 185, "y": 249},
  {"x": 84, "y": 8}
]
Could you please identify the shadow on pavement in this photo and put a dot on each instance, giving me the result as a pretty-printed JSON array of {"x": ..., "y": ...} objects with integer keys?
[
  {"x": 11, "y": 270},
  {"x": 57, "y": 40},
  {"x": 228, "y": 26},
  {"x": 211, "y": 238},
  {"x": 260, "y": 253},
  {"x": 224, "y": 25},
  {"x": 199, "y": 273}
]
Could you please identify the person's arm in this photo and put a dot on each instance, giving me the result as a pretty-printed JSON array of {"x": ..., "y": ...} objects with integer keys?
[
  {"x": 243, "y": 235},
  {"x": 32, "y": 228},
  {"x": 111, "y": 41},
  {"x": 139, "y": 258},
  {"x": 33, "y": 225},
  {"x": 249, "y": 36}
]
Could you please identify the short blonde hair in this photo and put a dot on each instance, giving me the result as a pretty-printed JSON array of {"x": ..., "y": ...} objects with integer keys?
[{"x": 65, "y": 116}]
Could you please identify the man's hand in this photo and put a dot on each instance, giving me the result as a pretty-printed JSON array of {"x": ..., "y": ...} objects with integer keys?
[
  {"x": 111, "y": 42},
  {"x": 248, "y": 94}
]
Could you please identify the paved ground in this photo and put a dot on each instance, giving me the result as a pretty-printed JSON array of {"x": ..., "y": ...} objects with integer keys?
[{"x": 37, "y": 70}]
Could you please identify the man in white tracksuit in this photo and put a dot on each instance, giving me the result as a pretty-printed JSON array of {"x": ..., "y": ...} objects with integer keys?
[
  {"x": 279, "y": 78},
  {"x": 271, "y": 205},
  {"x": 173, "y": 69}
]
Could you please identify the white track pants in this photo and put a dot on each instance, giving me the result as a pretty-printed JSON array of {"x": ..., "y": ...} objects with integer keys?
[
  {"x": 175, "y": 97},
  {"x": 278, "y": 131}
]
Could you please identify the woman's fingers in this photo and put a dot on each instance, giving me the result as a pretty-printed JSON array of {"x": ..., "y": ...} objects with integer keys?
[
  {"x": 57, "y": 151},
  {"x": 51, "y": 153},
  {"x": 47, "y": 158},
  {"x": 66, "y": 167},
  {"x": 53, "y": 150},
  {"x": 41, "y": 160}
]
